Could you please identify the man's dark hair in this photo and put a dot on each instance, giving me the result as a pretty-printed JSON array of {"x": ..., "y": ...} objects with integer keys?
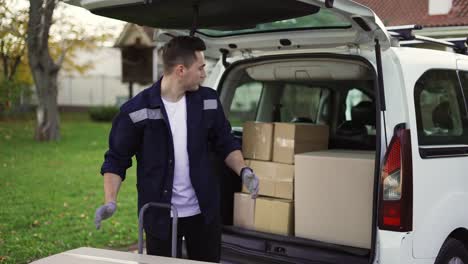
[{"x": 181, "y": 50}]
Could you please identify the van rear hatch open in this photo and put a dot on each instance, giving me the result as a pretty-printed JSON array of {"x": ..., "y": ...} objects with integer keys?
[
  {"x": 266, "y": 25},
  {"x": 245, "y": 24}
]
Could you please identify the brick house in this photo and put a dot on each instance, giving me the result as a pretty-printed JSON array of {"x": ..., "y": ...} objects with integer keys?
[{"x": 439, "y": 18}]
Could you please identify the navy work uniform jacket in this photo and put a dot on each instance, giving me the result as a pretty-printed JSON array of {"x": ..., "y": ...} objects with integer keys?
[{"x": 142, "y": 128}]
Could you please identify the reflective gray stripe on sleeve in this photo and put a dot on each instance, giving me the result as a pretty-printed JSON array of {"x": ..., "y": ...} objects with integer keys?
[
  {"x": 139, "y": 115},
  {"x": 145, "y": 113},
  {"x": 210, "y": 104},
  {"x": 154, "y": 113}
]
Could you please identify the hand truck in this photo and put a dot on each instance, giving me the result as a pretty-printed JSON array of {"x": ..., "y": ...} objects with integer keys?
[{"x": 174, "y": 225}]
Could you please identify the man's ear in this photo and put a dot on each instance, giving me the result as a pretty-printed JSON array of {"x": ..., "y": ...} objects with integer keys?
[{"x": 179, "y": 70}]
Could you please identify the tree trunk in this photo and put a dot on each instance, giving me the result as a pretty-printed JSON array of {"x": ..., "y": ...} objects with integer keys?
[
  {"x": 48, "y": 121},
  {"x": 44, "y": 69}
]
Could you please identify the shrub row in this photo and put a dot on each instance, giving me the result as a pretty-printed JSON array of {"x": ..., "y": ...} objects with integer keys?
[{"x": 103, "y": 113}]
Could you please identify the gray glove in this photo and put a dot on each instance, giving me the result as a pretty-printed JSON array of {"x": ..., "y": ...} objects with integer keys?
[
  {"x": 104, "y": 212},
  {"x": 250, "y": 180}
]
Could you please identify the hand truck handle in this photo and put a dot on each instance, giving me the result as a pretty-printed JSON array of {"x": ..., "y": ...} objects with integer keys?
[{"x": 174, "y": 225}]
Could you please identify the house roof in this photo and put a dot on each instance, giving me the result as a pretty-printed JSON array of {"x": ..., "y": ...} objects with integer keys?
[
  {"x": 135, "y": 35},
  {"x": 404, "y": 12}
]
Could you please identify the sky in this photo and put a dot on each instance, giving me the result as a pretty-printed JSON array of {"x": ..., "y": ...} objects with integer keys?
[{"x": 94, "y": 22}]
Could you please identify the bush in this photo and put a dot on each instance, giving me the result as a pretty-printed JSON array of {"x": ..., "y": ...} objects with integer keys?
[
  {"x": 12, "y": 93},
  {"x": 103, "y": 113}
]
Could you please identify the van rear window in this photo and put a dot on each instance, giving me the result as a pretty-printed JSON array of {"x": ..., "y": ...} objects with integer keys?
[
  {"x": 322, "y": 19},
  {"x": 278, "y": 102}
]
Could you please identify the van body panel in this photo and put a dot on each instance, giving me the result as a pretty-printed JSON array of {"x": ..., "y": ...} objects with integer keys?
[
  {"x": 433, "y": 230},
  {"x": 394, "y": 96},
  {"x": 393, "y": 247},
  {"x": 462, "y": 64},
  {"x": 439, "y": 185}
]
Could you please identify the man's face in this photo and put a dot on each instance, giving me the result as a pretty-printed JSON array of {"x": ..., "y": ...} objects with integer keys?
[{"x": 195, "y": 74}]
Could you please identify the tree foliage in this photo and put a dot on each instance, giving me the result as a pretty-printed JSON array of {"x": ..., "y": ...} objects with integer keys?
[
  {"x": 67, "y": 38},
  {"x": 36, "y": 43},
  {"x": 15, "y": 76}
]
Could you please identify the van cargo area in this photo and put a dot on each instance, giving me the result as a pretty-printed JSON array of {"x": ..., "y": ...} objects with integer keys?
[{"x": 309, "y": 131}]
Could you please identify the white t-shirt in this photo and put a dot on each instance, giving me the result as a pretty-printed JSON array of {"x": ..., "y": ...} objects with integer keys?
[{"x": 183, "y": 194}]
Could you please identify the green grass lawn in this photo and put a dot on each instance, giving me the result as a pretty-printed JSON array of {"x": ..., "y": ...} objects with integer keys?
[{"x": 49, "y": 191}]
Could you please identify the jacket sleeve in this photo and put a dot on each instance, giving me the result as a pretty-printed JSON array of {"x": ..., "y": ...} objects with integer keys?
[
  {"x": 224, "y": 141},
  {"x": 123, "y": 142}
]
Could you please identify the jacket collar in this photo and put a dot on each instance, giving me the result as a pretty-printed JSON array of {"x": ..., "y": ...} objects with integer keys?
[{"x": 155, "y": 95}]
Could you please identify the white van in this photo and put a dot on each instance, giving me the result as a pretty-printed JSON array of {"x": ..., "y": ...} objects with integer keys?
[{"x": 333, "y": 62}]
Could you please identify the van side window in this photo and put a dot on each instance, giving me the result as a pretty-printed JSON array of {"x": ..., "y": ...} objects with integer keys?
[
  {"x": 300, "y": 103},
  {"x": 464, "y": 81},
  {"x": 440, "y": 111},
  {"x": 245, "y": 103}
]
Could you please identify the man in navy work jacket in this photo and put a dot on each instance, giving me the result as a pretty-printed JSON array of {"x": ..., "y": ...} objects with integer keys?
[{"x": 169, "y": 127}]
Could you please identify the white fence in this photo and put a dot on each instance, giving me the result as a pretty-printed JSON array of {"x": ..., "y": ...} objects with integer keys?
[
  {"x": 101, "y": 86},
  {"x": 94, "y": 91}
]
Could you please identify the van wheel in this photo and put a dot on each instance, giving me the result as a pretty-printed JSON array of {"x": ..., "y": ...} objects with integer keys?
[{"x": 452, "y": 252}]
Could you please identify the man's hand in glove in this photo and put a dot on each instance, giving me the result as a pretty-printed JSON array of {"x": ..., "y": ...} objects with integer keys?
[
  {"x": 104, "y": 212},
  {"x": 250, "y": 180}
]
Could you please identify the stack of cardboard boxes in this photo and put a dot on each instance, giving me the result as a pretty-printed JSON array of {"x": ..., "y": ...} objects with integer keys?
[
  {"x": 269, "y": 149},
  {"x": 305, "y": 189}
]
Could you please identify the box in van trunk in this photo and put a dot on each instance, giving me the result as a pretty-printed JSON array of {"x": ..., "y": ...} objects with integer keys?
[
  {"x": 291, "y": 138},
  {"x": 244, "y": 210},
  {"x": 334, "y": 195},
  {"x": 275, "y": 179},
  {"x": 274, "y": 216},
  {"x": 257, "y": 140}
]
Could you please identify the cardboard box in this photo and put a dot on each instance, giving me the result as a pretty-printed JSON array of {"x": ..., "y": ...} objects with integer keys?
[
  {"x": 334, "y": 195},
  {"x": 244, "y": 210},
  {"x": 274, "y": 216},
  {"x": 275, "y": 179},
  {"x": 257, "y": 140},
  {"x": 291, "y": 139},
  {"x": 87, "y": 255}
]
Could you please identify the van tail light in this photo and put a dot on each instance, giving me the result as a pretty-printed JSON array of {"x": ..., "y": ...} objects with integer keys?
[{"x": 396, "y": 184}]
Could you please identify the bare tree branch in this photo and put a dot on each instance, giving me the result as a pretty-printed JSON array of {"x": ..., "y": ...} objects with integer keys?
[
  {"x": 4, "y": 58},
  {"x": 64, "y": 52},
  {"x": 61, "y": 59},
  {"x": 15, "y": 65}
]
